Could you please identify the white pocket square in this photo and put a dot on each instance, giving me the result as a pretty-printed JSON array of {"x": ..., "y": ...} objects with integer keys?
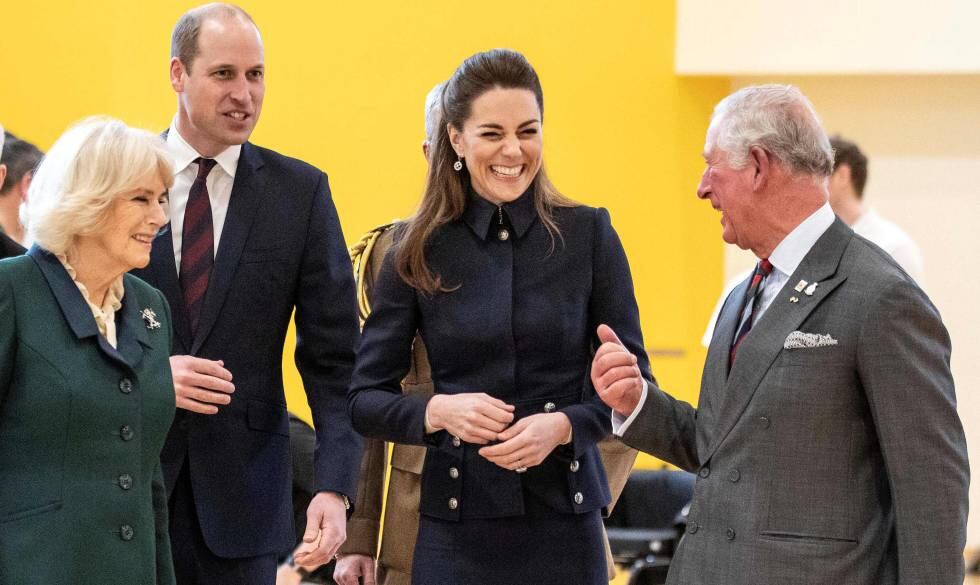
[{"x": 801, "y": 340}]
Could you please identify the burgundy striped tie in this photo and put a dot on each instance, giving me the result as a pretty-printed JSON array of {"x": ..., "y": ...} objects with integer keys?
[
  {"x": 753, "y": 295},
  {"x": 197, "y": 243}
]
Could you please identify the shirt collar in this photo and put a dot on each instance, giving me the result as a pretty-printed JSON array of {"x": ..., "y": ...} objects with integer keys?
[
  {"x": 797, "y": 244},
  {"x": 184, "y": 154},
  {"x": 481, "y": 214}
]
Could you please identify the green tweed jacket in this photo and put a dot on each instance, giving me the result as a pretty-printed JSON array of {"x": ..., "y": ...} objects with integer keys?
[{"x": 82, "y": 423}]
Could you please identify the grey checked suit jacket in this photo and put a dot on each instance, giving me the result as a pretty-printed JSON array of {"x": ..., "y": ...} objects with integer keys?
[{"x": 837, "y": 465}]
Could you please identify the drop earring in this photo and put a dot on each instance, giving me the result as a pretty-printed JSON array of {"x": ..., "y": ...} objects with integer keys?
[{"x": 458, "y": 165}]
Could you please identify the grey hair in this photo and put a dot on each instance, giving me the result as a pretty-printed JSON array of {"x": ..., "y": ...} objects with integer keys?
[
  {"x": 780, "y": 120},
  {"x": 433, "y": 110},
  {"x": 183, "y": 41}
]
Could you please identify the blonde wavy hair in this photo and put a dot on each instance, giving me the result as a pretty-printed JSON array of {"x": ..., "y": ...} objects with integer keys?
[{"x": 95, "y": 161}]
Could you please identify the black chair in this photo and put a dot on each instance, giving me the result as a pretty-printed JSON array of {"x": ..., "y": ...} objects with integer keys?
[
  {"x": 648, "y": 522},
  {"x": 649, "y": 572}
]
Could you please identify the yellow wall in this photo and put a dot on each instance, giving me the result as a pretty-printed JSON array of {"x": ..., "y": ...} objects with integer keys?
[{"x": 345, "y": 89}]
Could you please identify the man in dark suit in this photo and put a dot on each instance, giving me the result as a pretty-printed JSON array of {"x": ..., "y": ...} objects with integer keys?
[
  {"x": 253, "y": 236},
  {"x": 826, "y": 439}
]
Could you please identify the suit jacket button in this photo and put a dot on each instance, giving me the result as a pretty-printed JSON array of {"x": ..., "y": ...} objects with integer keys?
[
  {"x": 550, "y": 407},
  {"x": 126, "y": 481},
  {"x": 730, "y": 534},
  {"x": 125, "y": 385},
  {"x": 126, "y": 433},
  {"x": 692, "y": 527},
  {"x": 578, "y": 497},
  {"x": 704, "y": 472},
  {"x": 454, "y": 473},
  {"x": 453, "y": 503},
  {"x": 764, "y": 421},
  {"x": 734, "y": 476},
  {"x": 456, "y": 442},
  {"x": 126, "y": 532},
  {"x": 574, "y": 466}
]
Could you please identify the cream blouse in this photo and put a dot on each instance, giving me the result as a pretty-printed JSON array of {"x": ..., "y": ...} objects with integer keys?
[{"x": 105, "y": 316}]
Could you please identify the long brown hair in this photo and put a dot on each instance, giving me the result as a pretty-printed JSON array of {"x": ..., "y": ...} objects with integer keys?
[{"x": 445, "y": 190}]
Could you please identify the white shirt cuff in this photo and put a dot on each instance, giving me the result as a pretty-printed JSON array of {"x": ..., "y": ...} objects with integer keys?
[{"x": 620, "y": 423}]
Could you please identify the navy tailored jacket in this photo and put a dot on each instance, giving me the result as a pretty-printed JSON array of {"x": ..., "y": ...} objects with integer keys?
[
  {"x": 281, "y": 250},
  {"x": 82, "y": 499},
  {"x": 521, "y": 327}
]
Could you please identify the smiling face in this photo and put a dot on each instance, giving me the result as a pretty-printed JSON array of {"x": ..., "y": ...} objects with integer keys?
[
  {"x": 501, "y": 143},
  {"x": 124, "y": 239},
  {"x": 220, "y": 92},
  {"x": 729, "y": 191}
]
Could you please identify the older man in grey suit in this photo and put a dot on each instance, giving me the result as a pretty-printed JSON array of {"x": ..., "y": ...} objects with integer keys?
[{"x": 826, "y": 439}]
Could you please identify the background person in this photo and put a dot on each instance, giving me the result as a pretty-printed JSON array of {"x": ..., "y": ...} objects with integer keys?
[
  {"x": 399, "y": 529},
  {"x": 86, "y": 396},
  {"x": 8, "y": 246},
  {"x": 477, "y": 272},
  {"x": 846, "y": 188},
  {"x": 20, "y": 157}
]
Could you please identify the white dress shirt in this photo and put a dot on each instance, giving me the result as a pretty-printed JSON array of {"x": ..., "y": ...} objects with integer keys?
[
  {"x": 220, "y": 181},
  {"x": 892, "y": 239},
  {"x": 785, "y": 259}
]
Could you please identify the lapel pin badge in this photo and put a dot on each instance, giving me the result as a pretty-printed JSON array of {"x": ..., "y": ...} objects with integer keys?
[
  {"x": 150, "y": 318},
  {"x": 809, "y": 290},
  {"x": 800, "y": 286},
  {"x": 794, "y": 299}
]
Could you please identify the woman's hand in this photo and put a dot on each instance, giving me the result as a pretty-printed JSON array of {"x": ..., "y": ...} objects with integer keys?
[
  {"x": 473, "y": 417},
  {"x": 529, "y": 441}
]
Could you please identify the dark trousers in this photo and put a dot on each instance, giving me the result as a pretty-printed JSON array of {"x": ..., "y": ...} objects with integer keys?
[{"x": 194, "y": 563}]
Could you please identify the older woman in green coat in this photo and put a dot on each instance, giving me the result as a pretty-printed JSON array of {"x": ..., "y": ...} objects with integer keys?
[{"x": 86, "y": 396}]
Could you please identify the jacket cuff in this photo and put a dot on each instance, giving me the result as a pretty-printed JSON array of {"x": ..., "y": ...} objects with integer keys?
[{"x": 362, "y": 537}]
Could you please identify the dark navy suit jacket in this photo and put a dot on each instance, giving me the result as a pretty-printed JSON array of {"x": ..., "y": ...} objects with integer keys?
[
  {"x": 520, "y": 327},
  {"x": 281, "y": 249}
]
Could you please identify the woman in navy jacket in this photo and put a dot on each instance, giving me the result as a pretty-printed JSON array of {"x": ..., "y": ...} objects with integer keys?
[{"x": 506, "y": 280}]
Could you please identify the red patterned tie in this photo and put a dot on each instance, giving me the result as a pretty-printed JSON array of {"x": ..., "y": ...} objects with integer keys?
[
  {"x": 197, "y": 243},
  {"x": 753, "y": 295}
]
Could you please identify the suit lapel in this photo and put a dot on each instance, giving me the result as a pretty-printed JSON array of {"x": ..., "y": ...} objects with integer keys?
[
  {"x": 765, "y": 341},
  {"x": 163, "y": 272},
  {"x": 715, "y": 374},
  {"x": 719, "y": 351},
  {"x": 246, "y": 195}
]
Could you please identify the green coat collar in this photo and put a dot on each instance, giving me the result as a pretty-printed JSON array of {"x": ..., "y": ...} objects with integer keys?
[{"x": 131, "y": 331}]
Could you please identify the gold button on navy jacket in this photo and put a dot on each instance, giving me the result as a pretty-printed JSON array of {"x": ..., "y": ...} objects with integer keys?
[
  {"x": 520, "y": 327},
  {"x": 82, "y": 423}
]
